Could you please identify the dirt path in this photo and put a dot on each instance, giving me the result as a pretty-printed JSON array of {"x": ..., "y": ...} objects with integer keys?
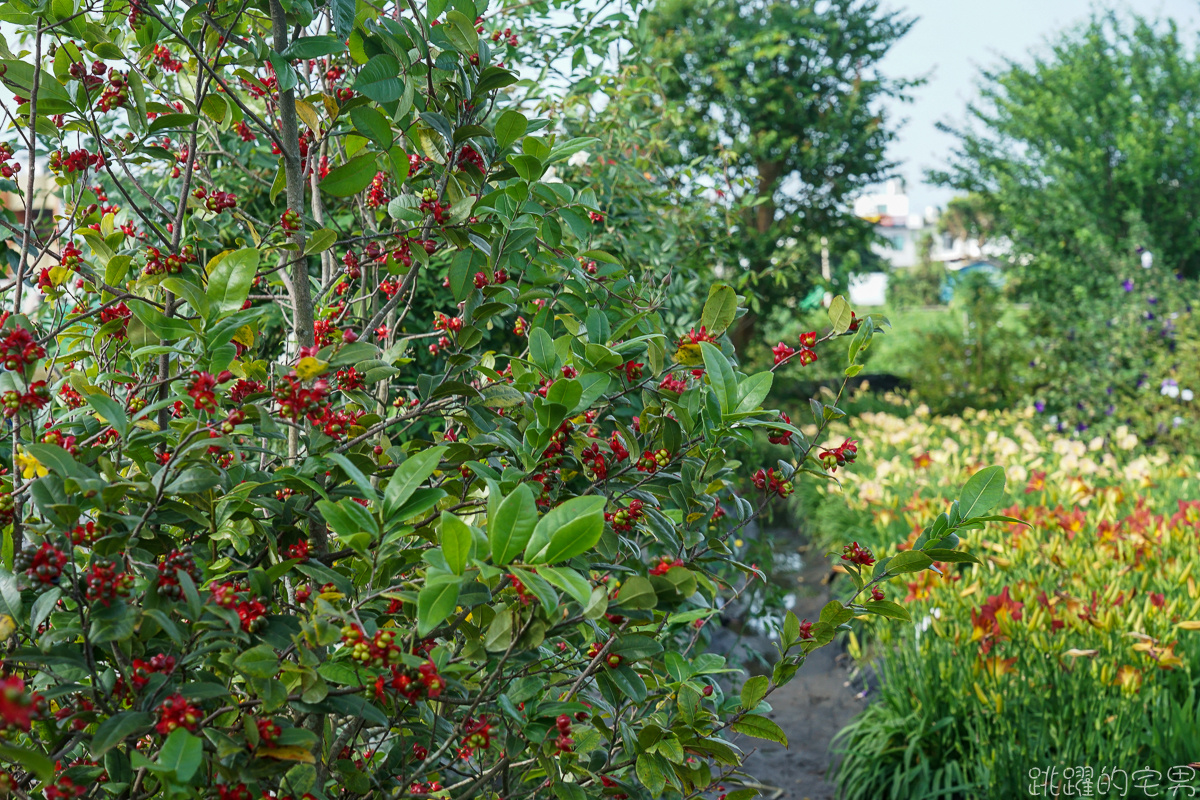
[{"x": 811, "y": 709}]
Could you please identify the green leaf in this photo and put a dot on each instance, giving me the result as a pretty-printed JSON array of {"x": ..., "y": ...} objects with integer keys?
[
  {"x": 982, "y": 492},
  {"x": 754, "y": 690},
  {"x": 951, "y": 556},
  {"x": 835, "y": 613},
  {"x": 10, "y": 596},
  {"x": 456, "y": 539},
  {"x": 569, "y": 581},
  {"x": 380, "y": 80},
  {"x": 258, "y": 662},
  {"x": 117, "y": 729},
  {"x": 720, "y": 375},
  {"x": 541, "y": 350},
  {"x": 307, "y": 47},
  {"x": 760, "y": 728},
  {"x": 753, "y": 390},
  {"x": 908, "y": 561},
  {"x": 720, "y": 309},
  {"x": 29, "y": 760},
  {"x": 435, "y": 602},
  {"x": 374, "y": 125},
  {"x": 637, "y": 592},
  {"x": 409, "y": 476},
  {"x": 182, "y": 754},
  {"x": 351, "y": 177},
  {"x": 320, "y": 241},
  {"x": 230, "y": 279},
  {"x": 112, "y": 411},
  {"x": 840, "y": 315},
  {"x": 886, "y": 608},
  {"x": 569, "y": 530},
  {"x": 510, "y": 127},
  {"x": 461, "y": 32},
  {"x": 651, "y": 773},
  {"x": 515, "y": 519},
  {"x": 343, "y": 23}
]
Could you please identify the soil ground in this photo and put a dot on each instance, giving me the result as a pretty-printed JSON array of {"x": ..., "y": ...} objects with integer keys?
[{"x": 811, "y": 709}]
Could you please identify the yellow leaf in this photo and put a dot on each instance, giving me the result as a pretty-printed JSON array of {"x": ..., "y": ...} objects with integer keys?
[
  {"x": 288, "y": 754},
  {"x": 689, "y": 355},
  {"x": 1077, "y": 653},
  {"x": 693, "y": 517},
  {"x": 7, "y": 626},
  {"x": 310, "y": 367},
  {"x": 308, "y": 113},
  {"x": 245, "y": 336},
  {"x": 147, "y": 425},
  {"x": 1190, "y": 625},
  {"x": 60, "y": 275}
]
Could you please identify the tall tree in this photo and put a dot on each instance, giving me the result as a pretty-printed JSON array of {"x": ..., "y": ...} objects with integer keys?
[
  {"x": 790, "y": 94},
  {"x": 1076, "y": 147}
]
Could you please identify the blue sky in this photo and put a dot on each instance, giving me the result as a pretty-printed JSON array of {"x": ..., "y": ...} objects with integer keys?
[{"x": 954, "y": 38}]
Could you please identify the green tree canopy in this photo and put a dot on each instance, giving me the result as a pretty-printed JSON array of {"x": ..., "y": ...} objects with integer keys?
[{"x": 1073, "y": 149}]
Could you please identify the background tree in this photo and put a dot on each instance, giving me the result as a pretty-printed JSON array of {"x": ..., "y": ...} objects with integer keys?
[
  {"x": 1082, "y": 155},
  {"x": 790, "y": 96}
]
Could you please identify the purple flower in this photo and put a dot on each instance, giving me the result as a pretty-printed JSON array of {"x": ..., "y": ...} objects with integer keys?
[
  {"x": 1152, "y": 301},
  {"x": 1128, "y": 285},
  {"x": 1040, "y": 405},
  {"x": 1081, "y": 427}
]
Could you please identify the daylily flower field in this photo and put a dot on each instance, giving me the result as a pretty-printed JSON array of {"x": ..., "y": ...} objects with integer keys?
[{"x": 1074, "y": 644}]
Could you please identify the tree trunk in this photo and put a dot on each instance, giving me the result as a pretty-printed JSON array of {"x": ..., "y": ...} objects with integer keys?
[{"x": 745, "y": 329}]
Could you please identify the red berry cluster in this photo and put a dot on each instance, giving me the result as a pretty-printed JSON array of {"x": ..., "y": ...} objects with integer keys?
[
  {"x": 18, "y": 709},
  {"x": 855, "y": 554},
  {"x": 244, "y": 388},
  {"x": 377, "y": 191},
  {"x": 114, "y": 95},
  {"x": 612, "y": 660},
  {"x": 142, "y": 670},
  {"x": 233, "y": 791},
  {"x": 290, "y": 220},
  {"x": 104, "y": 584},
  {"x": 164, "y": 59},
  {"x": 478, "y": 735},
  {"x": 696, "y": 337},
  {"x": 624, "y": 519},
  {"x": 244, "y": 133},
  {"x": 411, "y": 684},
  {"x": 202, "y": 391},
  {"x": 299, "y": 550},
  {"x": 84, "y": 535},
  {"x": 782, "y": 352},
  {"x": 768, "y": 480},
  {"x": 633, "y": 371},
  {"x": 64, "y": 788},
  {"x": 781, "y": 436},
  {"x": 808, "y": 339},
  {"x": 665, "y": 565},
  {"x": 469, "y": 155},
  {"x": 379, "y": 650},
  {"x": 252, "y": 614},
  {"x": 507, "y": 35},
  {"x": 42, "y": 565},
  {"x": 176, "y": 712},
  {"x": 158, "y": 264},
  {"x": 526, "y": 597},
  {"x": 564, "y": 742},
  {"x": 118, "y": 312},
  {"x": 67, "y": 162},
  {"x": 653, "y": 461},
  {"x": 268, "y": 730},
  {"x": 19, "y": 350},
  {"x": 296, "y": 402},
  {"x": 6, "y": 153},
  {"x": 71, "y": 256},
  {"x": 172, "y": 564},
  {"x": 216, "y": 201},
  {"x": 335, "y": 424},
  {"x": 14, "y": 402},
  {"x": 498, "y": 277},
  {"x": 840, "y": 456}
]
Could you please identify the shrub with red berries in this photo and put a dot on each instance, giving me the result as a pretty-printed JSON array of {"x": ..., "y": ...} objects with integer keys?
[{"x": 349, "y": 449}]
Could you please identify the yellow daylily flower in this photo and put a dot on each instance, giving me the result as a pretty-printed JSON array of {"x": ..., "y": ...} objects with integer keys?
[{"x": 30, "y": 466}]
